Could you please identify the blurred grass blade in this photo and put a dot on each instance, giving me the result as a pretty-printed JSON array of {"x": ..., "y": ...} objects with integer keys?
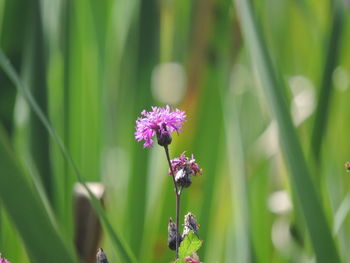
[
  {"x": 316, "y": 222},
  {"x": 27, "y": 211},
  {"x": 146, "y": 60},
  {"x": 240, "y": 204},
  {"x": 330, "y": 63},
  {"x": 121, "y": 246},
  {"x": 341, "y": 214}
]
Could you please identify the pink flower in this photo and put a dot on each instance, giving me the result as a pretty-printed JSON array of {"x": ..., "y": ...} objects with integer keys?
[
  {"x": 191, "y": 260},
  {"x": 183, "y": 167},
  {"x": 184, "y": 162},
  {"x": 3, "y": 260},
  {"x": 161, "y": 122}
]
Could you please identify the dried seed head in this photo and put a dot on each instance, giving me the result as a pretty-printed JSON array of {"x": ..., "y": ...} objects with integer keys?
[
  {"x": 347, "y": 166},
  {"x": 172, "y": 235},
  {"x": 190, "y": 224}
]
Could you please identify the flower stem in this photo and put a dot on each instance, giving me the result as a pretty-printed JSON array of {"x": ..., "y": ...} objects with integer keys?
[
  {"x": 178, "y": 195},
  {"x": 170, "y": 167}
]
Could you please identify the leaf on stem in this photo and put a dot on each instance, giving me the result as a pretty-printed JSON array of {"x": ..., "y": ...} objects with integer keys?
[{"x": 189, "y": 245}]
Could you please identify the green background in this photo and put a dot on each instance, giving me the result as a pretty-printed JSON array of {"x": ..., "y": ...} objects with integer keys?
[{"x": 265, "y": 87}]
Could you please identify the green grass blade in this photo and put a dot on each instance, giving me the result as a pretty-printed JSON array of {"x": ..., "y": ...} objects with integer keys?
[
  {"x": 324, "y": 100},
  {"x": 39, "y": 137},
  {"x": 27, "y": 211},
  {"x": 120, "y": 245},
  {"x": 316, "y": 222}
]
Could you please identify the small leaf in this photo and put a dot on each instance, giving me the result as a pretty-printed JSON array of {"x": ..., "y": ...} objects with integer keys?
[{"x": 189, "y": 245}]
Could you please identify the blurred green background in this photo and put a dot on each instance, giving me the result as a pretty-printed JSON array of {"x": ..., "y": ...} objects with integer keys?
[{"x": 265, "y": 85}]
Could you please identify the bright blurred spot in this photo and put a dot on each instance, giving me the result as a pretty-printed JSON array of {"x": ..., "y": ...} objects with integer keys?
[
  {"x": 303, "y": 103},
  {"x": 279, "y": 202},
  {"x": 169, "y": 82},
  {"x": 97, "y": 189}
]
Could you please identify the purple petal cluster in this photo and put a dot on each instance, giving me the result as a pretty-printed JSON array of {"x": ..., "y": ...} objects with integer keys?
[
  {"x": 157, "y": 122},
  {"x": 188, "y": 164}
]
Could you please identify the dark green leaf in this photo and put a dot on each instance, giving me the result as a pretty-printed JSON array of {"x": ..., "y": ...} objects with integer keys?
[{"x": 27, "y": 211}]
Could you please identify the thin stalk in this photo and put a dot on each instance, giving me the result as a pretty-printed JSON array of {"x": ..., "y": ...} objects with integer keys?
[
  {"x": 170, "y": 167},
  {"x": 178, "y": 196}
]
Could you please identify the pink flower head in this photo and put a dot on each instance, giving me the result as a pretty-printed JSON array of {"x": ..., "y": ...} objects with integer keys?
[
  {"x": 191, "y": 260},
  {"x": 161, "y": 122},
  {"x": 186, "y": 163},
  {"x": 183, "y": 168}
]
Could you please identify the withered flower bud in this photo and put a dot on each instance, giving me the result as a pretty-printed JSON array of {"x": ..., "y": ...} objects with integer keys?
[
  {"x": 101, "y": 256},
  {"x": 172, "y": 235},
  {"x": 190, "y": 224}
]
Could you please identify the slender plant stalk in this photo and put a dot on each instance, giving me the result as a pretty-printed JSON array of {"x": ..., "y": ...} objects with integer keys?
[
  {"x": 171, "y": 168},
  {"x": 178, "y": 197}
]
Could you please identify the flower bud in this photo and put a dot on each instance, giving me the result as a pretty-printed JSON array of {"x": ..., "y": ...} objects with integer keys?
[
  {"x": 164, "y": 139},
  {"x": 172, "y": 235},
  {"x": 182, "y": 178}
]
